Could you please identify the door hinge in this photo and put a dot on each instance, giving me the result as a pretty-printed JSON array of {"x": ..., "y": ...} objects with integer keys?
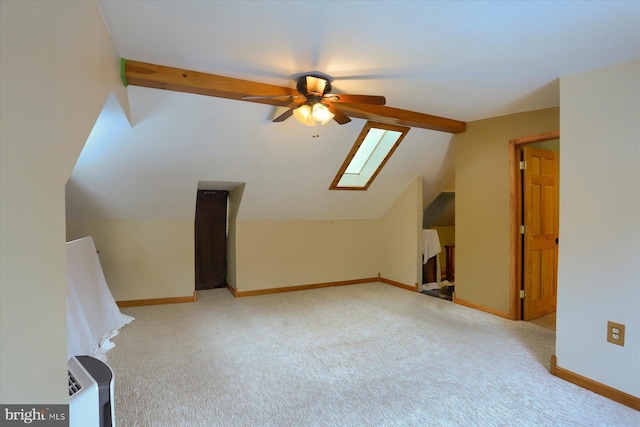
[
  {"x": 522, "y": 294},
  {"x": 523, "y": 165},
  {"x": 523, "y": 229}
]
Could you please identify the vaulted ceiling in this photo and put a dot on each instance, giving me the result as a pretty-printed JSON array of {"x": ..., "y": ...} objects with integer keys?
[{"x": 459, "y": 60}]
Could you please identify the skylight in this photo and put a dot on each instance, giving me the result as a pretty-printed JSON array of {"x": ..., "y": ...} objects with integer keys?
[{"x": 374, "y": 146}]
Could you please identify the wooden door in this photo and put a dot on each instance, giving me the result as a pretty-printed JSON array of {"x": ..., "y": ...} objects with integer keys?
[
  {"x": 540, "y": 253},
  {"x": 211, "y": 239}
]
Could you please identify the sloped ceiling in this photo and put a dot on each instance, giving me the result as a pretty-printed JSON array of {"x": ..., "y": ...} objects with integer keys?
[{"x": 460, "y": 60}]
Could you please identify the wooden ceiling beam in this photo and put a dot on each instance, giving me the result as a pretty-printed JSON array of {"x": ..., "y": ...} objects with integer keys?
[
  {"x": 180, "y": 80},
  {"x": 396, "y": 116}
]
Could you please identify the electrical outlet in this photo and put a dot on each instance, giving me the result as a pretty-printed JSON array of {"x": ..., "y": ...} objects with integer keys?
[{"x": 615, "y": 333}]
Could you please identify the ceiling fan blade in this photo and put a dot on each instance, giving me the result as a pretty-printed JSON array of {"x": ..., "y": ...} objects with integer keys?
[
  {"x": 285, "y": 97},
  {"x": 338, "y": 115},
  {"x": 356, "y": 99},
  {"x": 284, "y": 116}
]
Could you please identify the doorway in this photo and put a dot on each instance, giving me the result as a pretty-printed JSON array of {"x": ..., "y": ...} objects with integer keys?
[
  {"x": 533, "y": 230},
  {"x": 211, "y": 239}
]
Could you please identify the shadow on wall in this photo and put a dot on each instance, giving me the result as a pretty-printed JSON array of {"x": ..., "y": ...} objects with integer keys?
[{"x": 441, "y": 212}]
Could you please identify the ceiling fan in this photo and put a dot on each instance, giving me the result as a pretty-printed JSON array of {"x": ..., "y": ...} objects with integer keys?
[
  {"x": 315, "y": 103},
  {"x": 313, "y": 89}
]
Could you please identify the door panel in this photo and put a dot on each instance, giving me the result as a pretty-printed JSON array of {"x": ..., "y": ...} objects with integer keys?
[
  {"x": 211, "y": 239},
  {"x": 540, "y": 198}
]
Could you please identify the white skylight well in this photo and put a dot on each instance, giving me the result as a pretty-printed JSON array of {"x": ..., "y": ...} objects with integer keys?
[{"x": 374, "y": 146}]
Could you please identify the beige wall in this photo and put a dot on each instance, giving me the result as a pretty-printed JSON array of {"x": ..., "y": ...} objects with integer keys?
[
  {"x": 235, "y": 198},
  {"x": 599, "y": 252},
  {"x": 482, "y": 203},
  {"x": 401, "y": 244},
  {"x": 273, "y": 254},
  {"x": 58, "y": 68},
  {"x": 152, "y": 259},
  {"x": 142, "y": 259},
  {"x": 155, "y": 259}
]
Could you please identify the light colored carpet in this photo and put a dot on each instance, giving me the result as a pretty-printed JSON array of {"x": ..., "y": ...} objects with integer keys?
[{"x": 359, "y": 355}]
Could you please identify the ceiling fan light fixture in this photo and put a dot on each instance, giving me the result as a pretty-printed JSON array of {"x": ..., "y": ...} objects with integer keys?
[
  {"x": 316, "y": 85},
  {"x": 303, "y": 115},
  {"x": 311, "y": 115},
  {"x": 313, "y": 85},
  {"x": 321, "y": 113}
]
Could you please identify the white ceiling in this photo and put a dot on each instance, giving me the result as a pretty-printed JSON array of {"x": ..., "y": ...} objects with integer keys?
[{"x": 460, "y": 60}]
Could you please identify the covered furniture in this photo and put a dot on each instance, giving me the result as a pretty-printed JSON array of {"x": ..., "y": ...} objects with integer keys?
[{"x": 93, "y": 317}]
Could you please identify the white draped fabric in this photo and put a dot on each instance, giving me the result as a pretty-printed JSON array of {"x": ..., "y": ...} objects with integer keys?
[
  {"x": 431, "y": 247},
  {"x": 431, "y": 243},
  {"x": 93, "y": 317}
]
